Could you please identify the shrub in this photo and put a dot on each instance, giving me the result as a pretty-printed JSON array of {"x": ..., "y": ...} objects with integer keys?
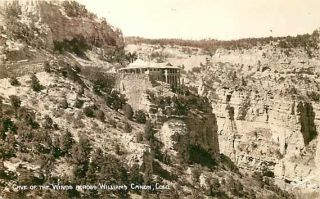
[
  {"x": 7, "y": 125},
  {"x": 81, "y": 150},
  {"x": 78, "y": 103},
  {"x": 13, "y": 10},
  {"x": 78, "y": 123},
  {"x": 14, "y": 81},
  {"x": 148, "y": 131},
  {"x": 88, "y": 111},
  {"x": 267, "y": 172},
  {"x": 102, "y": 82},
  {"x": 113, "y": 123},
  {"x": 235, "y": 187},
  {"x": 15, "y": 101},
  {"x": 6, "y": 151},
  {"x": 196, "y": 70},
  {"x": 140, "y": 117},
  {"x": 128, "y": 111},
  {"x": 80, "y": 157},
  {"x": 147, "y": 167},
  {"x": 71, "y": 72},
  {"x": 97, "y": 88},
  {"x": 314, "y": 96},
  {"x": 117, "y": 55},
  {"x": 196, "y": 173},
  {"x": 100, "y": 115},
  {"x": 35, "y": 84},
  {"x": 64, "y": 104},
  {"x": 47, "y": 67},
  {"x": 135, "y": 175},
  {"x": 158, "y": 170},
  {"x": 115, "y": 100},
  {"x": 74, "y": 9},
  {"x": 80, "y": 91},
  {"x": 127, "y": 127},
  {"x": 48, "y": 122},
  {"x": 77, "y": 45},
  {"x": 213, "y": 188},
  {"x": 118, "y": 150},
  {"x": 28, "y": 117},
  {"x": 131, "y": 57},
  {"x": 66, "y": 142},
  {"x": 139, "y": 137}
]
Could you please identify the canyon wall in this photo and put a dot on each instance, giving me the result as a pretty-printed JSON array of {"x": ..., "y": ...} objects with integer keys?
[
  {"x": 44, "y": 23},
  {"x": 276, "y": 135},
  {"x": 135, "y": 87},
  {"x": 192, "y": 130},
  {"x": 83, "y": 24}
]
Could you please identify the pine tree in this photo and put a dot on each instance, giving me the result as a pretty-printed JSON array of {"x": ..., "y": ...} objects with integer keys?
[
  {"x": 48, "y": 122},
  {"x": 147, "y": 170},
  {"x": 135, "y": 176},
  {"x": 66, "y": 142},
  {"x": 148, "y": 131},
  {"x": 100, "y": 115},
  {"x": 14, "y": 81},
  {"x": 15, "y": 101},
  {"x": 35, "y": 84},
  {"x": 127, "y": 127},
  {"x": 128, "y": 111},
  {"x": 140, "y": 117}
]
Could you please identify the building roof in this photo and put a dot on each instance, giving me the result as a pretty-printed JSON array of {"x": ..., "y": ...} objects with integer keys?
[{"x": 143, "y": 64}]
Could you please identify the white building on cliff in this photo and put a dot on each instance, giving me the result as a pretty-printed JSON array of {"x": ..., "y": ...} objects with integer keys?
[{"x": 164, "y": 72}]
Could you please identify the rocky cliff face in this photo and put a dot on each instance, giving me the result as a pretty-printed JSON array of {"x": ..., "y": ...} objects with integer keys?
[
  {"x": 30, "y": 25},
  {"x": 63, "y": 130},
  {"x": 69, "y": 20},
  {"x": 268, "y": 120},
  {"x": 186, "y": 131},
  {"x": 257, "y": 132},
  {"x": 135, "y": 87},
  {"x": 265, "y": 96}
]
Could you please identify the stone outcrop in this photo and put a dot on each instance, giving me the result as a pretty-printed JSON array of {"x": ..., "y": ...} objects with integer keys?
[
  {"x": 135, "y": 87},
  {"x": 62, "y": 26},
  {"x": 192, "y": 130},
  {"x": 203, "y": 131},
  {"x": 258, "y": 133},
  {"x": 58, "y": 21}
]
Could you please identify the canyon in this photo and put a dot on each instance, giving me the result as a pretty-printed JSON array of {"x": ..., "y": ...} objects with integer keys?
[
  {"x": 266, "y": 100},
  {"x": 243, "y": 124}
]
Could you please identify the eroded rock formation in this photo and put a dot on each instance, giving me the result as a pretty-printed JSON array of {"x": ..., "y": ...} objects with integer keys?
[
  {"x": 194, "y": 130},
  {"x": 47, "y": 24},
  {"x": 267, "y": 134}
]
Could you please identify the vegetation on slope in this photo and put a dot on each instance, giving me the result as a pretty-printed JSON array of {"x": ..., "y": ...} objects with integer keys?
[
  {"x": 210, "y": 45},
  {"x": 43, "y": 147}
]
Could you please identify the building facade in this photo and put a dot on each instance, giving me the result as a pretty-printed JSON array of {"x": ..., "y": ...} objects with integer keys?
[{"x": 163, "y": 72}]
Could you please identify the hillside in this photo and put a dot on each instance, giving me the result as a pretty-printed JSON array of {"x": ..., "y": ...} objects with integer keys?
[
  {"x": 62, "y": 142},
  {"x": 36, "y": 31}
]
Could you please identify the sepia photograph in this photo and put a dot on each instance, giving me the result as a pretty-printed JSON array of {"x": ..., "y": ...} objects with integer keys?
[{"x": 159, "y": 99}]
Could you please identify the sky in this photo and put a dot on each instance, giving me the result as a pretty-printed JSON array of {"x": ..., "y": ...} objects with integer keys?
[{"x": 204, "y": 19}]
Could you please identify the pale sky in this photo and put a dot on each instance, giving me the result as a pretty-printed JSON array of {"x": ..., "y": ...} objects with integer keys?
[{"x": 202, "y": 19}]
